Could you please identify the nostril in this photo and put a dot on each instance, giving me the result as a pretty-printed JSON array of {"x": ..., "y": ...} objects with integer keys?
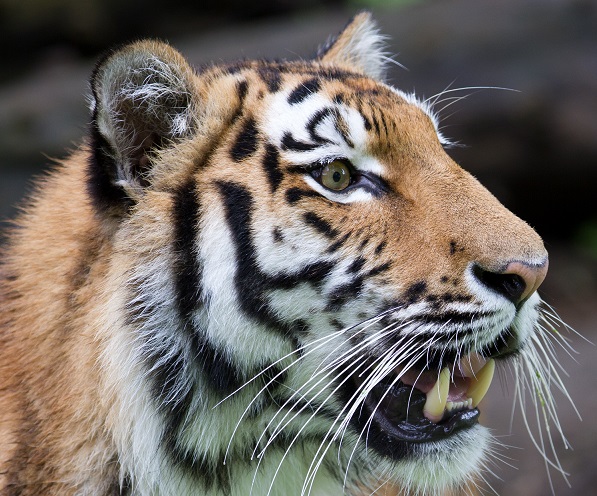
[
  {"x": 511, "y": 286},
  {"x": 516, "y": 281}
]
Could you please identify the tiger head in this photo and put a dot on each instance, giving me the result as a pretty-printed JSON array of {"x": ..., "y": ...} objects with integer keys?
[{"x": 307, "y": 275}]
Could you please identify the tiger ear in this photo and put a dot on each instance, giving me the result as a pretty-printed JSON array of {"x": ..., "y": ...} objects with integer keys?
[
  {"x": 143, "y": 99},
  {"x": 359, "y": 46}
]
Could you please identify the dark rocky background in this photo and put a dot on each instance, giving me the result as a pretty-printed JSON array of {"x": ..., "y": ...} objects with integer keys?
[{"x": 535, "y": 148}]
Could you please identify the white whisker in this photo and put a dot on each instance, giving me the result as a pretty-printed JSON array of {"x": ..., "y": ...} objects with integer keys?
[
  {"x": 323, "y": 375},
  {"x": 314, "y": 346},
  {"x": 358, "y": 398},
  {"x": 352, "y": 404},
  {"x": 465, "y": 88}
]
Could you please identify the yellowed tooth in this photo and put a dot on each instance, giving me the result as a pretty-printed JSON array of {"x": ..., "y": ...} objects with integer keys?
[
  {"x": 482, "y": 381},
  {"x": 437, "y": 397}
]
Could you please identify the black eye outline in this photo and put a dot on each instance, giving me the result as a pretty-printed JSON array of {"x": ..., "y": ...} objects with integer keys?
[{"x": 367, "y": 181}]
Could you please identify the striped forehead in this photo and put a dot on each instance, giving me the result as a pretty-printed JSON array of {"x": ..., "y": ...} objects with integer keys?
[{"x": 309, "y": 126}]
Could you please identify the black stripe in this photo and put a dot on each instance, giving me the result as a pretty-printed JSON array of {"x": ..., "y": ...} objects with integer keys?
[
  {"x": 169, "y": 375},
  {"x": 303, "y": 90},
  {"x": 271, "y": 164},
  {"x": 223, "y": 376},
  {"x": 168, "y": 379},
  {"x": 242, "y": 89},
  {"x": 204, "y": 468},
  {"x": 375, "y": 124},
  {"x": 105, "y": 194},
  {"x": 379, "y": 248},
  {"x": 289, "y": 143},
  {"x": 313, "y": 273},
  {"x": 337, "y": 324},
  {"x": 383, "y": 122},
  {"x": 271, "y": 78},
  {"x": 416, "y": 291},
  {"x": 315, "y": 120},
  {"x": 339, "y": 98},
  {"x": 378, "y": 269},
  {"x": 321, "y": 225},
  {"x": 246, "y": 141},
  {"x": 207, "y": 471},
  {"x": 237, "y": 67},
  {"x": 293, "y": 195},
  {"x": 367, "y": 121},
  {"x": 334, "y": 246},
  {"x": 301, "y": 327},
  {"x": 342, "y": 132},
  {"x": 328, "y": 73},
  {"x": 167, "y": 372},
  {"x": 452, "y": 317},
  {"x": 252, "y": 285},
  {"x": 187, "y": 269},
  {"x": 210, "y": 472},
  {"x": 250, "y": 282},
  {"x": 344, "y": 294},
  {"x": 357, "y": 265},
  {"x": 278, "y": 235}
]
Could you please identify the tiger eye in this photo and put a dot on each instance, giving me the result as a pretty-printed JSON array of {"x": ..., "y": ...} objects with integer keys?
[{"x": 336, "y": 175}]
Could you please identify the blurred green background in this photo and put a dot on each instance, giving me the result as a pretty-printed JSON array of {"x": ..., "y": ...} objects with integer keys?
[{"x": 535, "y": 148}]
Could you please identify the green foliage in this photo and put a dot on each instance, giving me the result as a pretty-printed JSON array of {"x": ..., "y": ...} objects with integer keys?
[{"x": 586, "y": 237}]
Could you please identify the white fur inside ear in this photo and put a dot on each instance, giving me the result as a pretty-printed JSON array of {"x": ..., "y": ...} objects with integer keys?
[
  {"x": 141, "y": 94},
  {"x": 163, "y": 94},
  {"x": 360, "y": 46},
  {"x": 143, "y": 101},
  {"x": 366, "y": 49}
]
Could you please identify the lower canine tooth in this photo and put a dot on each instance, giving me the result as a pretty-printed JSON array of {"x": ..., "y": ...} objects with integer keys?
[
  {"x": 437, "y": 397},
  {"x": 478, "y": 389}
]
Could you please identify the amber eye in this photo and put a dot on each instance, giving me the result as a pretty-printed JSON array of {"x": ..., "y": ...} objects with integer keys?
[{"x": 336, "y": 175}]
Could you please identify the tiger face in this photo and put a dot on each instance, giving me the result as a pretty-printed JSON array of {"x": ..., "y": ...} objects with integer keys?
[{"x": 300, "y": 291}]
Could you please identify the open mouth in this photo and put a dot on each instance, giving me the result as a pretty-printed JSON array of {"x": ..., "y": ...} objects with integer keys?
[{"x": 419, "y": 406}]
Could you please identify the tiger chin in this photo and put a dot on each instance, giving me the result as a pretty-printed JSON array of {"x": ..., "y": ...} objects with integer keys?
[{"x": 261, "y": 278}]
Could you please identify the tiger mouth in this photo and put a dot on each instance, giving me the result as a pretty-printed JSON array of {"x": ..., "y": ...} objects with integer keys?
[{"x": 420, "y": 406}]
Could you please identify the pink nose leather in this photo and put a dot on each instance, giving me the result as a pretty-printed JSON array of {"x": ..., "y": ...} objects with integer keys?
[{"x": 532, "y": 275}]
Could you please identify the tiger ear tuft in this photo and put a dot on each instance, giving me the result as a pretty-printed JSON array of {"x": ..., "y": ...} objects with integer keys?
[
  {"x": 359, "y": 47},
  {"x": 143, "y": 99}
]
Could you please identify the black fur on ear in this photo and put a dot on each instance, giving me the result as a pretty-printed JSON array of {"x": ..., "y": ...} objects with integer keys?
[{"x": 143, "y": 100}]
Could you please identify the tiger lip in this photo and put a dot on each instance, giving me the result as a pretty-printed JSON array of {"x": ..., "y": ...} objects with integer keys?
[{"x": 458, "y": 387}]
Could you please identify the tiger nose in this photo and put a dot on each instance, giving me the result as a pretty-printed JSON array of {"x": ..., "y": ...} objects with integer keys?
[{"x": 517, "y": 281}]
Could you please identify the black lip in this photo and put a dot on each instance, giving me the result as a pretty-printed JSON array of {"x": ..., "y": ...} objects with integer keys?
[
  {"x": 399, "y": 412},
  {"x": 392, "y": 419},
  {"x": 505, "y": 345}
]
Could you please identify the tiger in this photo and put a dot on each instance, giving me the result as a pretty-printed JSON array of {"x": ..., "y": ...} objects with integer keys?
[{"x": 262, "y": 278}]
